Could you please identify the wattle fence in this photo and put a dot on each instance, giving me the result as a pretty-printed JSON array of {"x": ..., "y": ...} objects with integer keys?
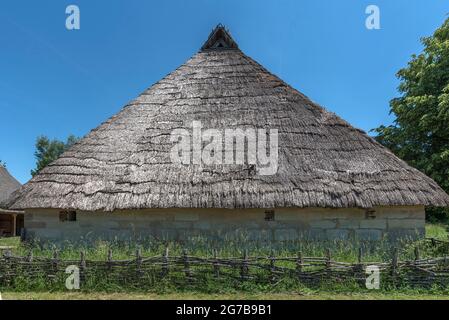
[{"x": 186, "y": 270}]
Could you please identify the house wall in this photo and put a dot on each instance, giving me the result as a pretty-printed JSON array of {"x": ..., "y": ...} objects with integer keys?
[{"x": 181, "y": 224}]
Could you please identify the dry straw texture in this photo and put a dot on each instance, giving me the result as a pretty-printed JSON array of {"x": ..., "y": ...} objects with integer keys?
[
  {"x": 7, "y": 184},
  {"x": 323, "y": 161}
]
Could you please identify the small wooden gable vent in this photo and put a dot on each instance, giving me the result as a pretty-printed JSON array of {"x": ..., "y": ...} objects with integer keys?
[{"x": 219, "y": 39}]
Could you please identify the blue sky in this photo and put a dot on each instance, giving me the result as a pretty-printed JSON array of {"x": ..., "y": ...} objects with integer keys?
[{"x": 56, "y": 82}]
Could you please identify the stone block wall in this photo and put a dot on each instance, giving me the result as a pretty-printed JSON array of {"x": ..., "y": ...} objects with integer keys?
[{"x": 182, "y": 224}]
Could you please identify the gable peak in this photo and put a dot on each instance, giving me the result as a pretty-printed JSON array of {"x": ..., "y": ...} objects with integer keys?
[{"x": 219, "y": 39}]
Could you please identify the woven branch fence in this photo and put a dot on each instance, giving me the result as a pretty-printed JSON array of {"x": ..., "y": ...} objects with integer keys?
[{"x": 184, "y": 270}]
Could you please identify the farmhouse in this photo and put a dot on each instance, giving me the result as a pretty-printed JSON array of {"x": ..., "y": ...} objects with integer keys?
[
  {"x": 11, "y": 221},
  {"x": 331, "y": 180}
]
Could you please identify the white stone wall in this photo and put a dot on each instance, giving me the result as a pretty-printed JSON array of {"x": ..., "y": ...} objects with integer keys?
[{"x": 181, "y": 224}]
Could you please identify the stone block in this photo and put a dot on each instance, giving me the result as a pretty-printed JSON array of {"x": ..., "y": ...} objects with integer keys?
[
  {"x": 348, "y": 223},
  {"x": 313, "y": 234},
  {"x": 106, "y": 224},
  {"x": 405, "y": 223},
  {"x": 323, "y": 224},
  {"x": 285, "y": 234},
  {"x": 239, "y": 234},
  {"x": 405, "y": 234},
  {"x": 373, "y": 224},
  {"x": 186, "y": 216},
  {"x": 259, "y": 235},
  {"x": 48, "y": 234},
  {"x": 368, "y": 234},
  {"x": 401, "y": 212},
  {"x": 202, "y": 225},
  {"x": 187, "y": 234},
  {"x": 151, "y": 217},
  {"x": 35, "y": 224},
  {"x": 167, "y": 234},
  {"x": 337, "y": 234},
  {"x": 125, "y": 224},
  {"x": 181, "y": 225},
  {"x": 287, "y": 216}
]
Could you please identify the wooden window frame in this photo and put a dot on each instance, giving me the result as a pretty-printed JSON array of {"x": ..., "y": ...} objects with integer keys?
[{"x": 270, "y": 215}]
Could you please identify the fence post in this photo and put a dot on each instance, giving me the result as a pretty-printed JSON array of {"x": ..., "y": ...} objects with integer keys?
[
  {"x": 359, "y": 266},
  {"x": 30, "y": 256},
  {"x": 299, "y": 262},
  {"x": 394, "y": 265},
  {"x": 55, "y": 261},
  {"x": 272, "y": 266},
  {"x": 187, "y": 271},
  {"x": 244, "y": 269},
  {"x": 328, "y": 259},
  {"x": 216, "y": 264},
  {"x": 417, "y": 253},
  {"x": 139, "y": 262},
  {"x": 82, "y": 266},
  {"x": 29, "y": 259},
  {"x": 165, "y": 264},
  {"x": 109, "y": 259},
  {"x": 7, "y": 256}
]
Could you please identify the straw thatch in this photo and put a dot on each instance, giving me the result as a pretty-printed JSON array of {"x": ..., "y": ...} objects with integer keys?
[
  {"x": 8, "y": 184},
  {"x": 323, "y": 161}
]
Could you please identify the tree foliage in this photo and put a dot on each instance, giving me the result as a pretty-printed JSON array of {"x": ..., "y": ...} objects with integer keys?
[
  {"x": 2, "y": 164},
  {"x": 420, "y": 133},
  {"x": 48, "y": 151}
]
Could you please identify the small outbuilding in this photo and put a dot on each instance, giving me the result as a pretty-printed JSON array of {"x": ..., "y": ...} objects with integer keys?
[
  {"x": 11, "y": 221},
  {"x": 132, "y": 177}
]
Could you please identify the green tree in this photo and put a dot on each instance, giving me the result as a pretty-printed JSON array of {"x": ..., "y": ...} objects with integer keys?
[
  {"x": 420, "y": 133},
  {"x": 48, "y": 151},
  {"x": 2, "y": 164}
]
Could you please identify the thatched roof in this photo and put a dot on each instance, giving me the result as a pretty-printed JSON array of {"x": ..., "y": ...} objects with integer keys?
[
  {"x": 323, "y": 161},
  {"x": 8, "y": 184}
]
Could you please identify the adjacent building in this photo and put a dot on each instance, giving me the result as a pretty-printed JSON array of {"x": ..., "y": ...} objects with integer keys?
[{"x": 11, "y": 221}]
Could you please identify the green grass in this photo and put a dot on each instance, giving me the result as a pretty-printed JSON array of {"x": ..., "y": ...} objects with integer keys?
[
  {"x": 437, "y": 231},
  {"x": 343, "y": 251},
  {"x": 10, "y": 242},
  {"x": 235, "y": 296}
]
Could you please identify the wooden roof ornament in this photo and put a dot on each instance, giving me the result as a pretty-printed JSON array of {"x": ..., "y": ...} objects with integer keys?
[{"x": 220, "y": 38}]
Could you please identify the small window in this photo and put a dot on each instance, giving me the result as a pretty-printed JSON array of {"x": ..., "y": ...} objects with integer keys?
[
  {"x": 370, "y": 214},
  {"x": 269, "y": 215},
  {"x": 71, "y": 216},
  {"x": 62, "y": 216},
  {"x": 67, "y": 216}
]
